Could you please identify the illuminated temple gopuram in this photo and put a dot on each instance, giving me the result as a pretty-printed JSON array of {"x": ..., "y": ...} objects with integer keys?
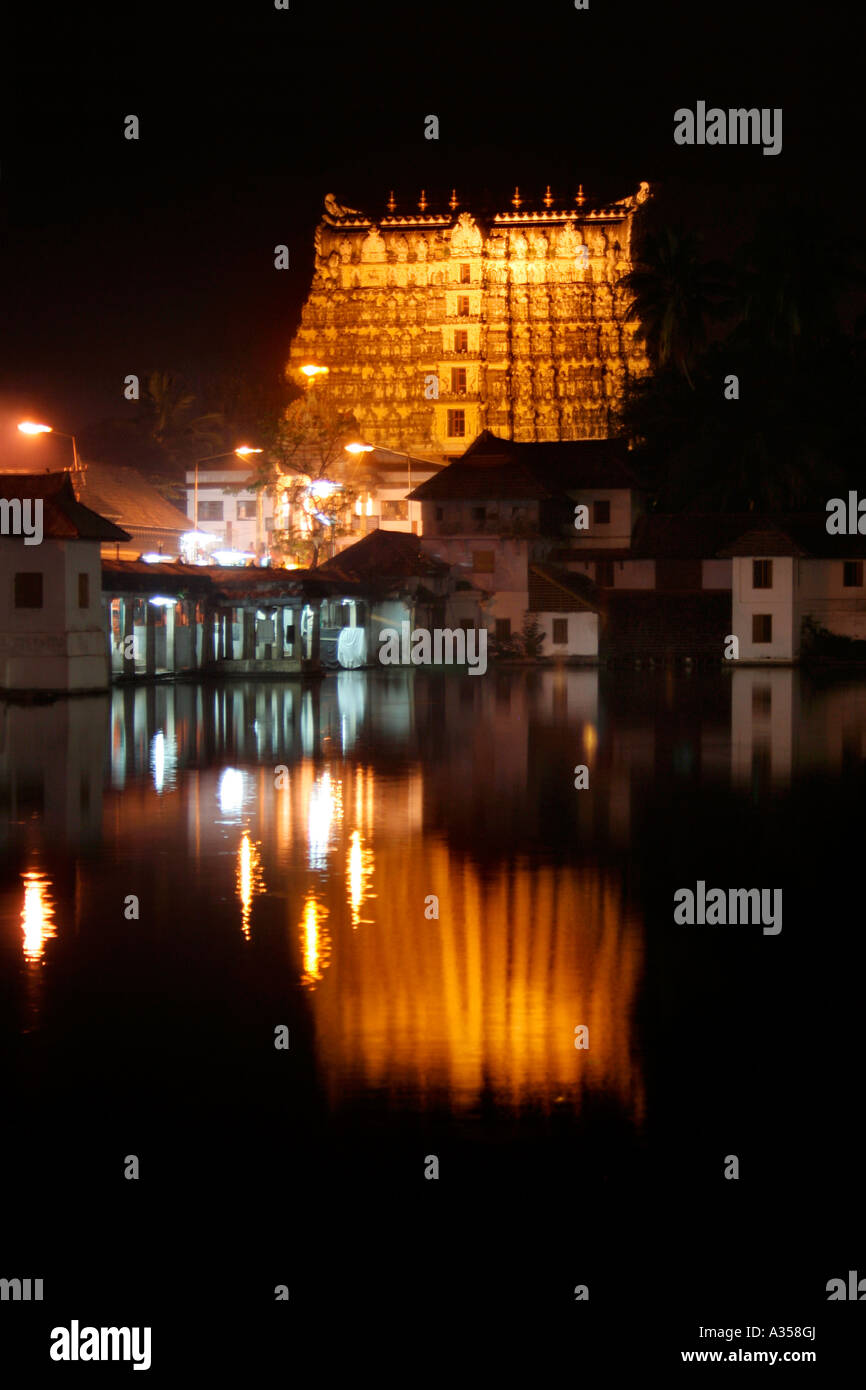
[{"x": 435, "y": 325}]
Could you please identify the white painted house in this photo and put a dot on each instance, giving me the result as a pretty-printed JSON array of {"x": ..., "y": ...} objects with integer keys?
[
  {"x": 52, "y": 622},
  {"x": 789, "y": 572},
  {"x": 499, "y": 512}
]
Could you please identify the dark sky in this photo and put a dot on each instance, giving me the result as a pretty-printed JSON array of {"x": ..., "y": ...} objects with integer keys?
[{"x": 120, "y": 256}]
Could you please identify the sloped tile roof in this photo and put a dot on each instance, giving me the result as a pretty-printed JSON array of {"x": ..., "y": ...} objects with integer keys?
[
  {"x": 383, "y": 555},
  {"x": 493, "y": 468},
  {"x": 129, "y": 499},
  {"x": 554, "y": 590},
  {"x": 63, "y": 518}
]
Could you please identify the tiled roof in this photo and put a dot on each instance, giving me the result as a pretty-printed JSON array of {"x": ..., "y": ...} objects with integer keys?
[
  {"x": 799, "y": 534},
  {"x": 384, "y": 555},
  {"x": 63, "y": 518},
  {"x": 128, "y": 498},
  {"x": 494, "y": 468},
  {"x": 687, "y": 536},
  {"x": 553, "y": 590},
  {"x": 229, "y": 583}
]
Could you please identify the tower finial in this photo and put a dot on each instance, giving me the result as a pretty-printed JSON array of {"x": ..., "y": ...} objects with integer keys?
[
  {"x": 452, "y": 202},
  {"x": 516, "y": 200},
  {"x": 422, "y": 201},
  {"x": 548, "y": 198},
  {"x": 391, "y": 203},
  {"x": 581, "y": 196}
]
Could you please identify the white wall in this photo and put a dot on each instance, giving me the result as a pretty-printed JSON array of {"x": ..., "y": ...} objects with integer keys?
[
  {"x": 777, "y": 601},
  {"x": 627, "y": 574},
  {"x": 582, "y": 634},
  {"x": 822, "y": 595},
  {"x": 58, "y": 646},
  {"x": 716, "y": 574},
  {"x": 616, "y": 532}
]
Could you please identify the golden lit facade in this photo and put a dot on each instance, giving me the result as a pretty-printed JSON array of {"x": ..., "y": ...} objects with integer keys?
[{"x": 434, "y": 325}]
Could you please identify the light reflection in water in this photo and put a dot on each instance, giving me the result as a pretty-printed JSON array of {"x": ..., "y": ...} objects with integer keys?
[
  {"x": 315, "y": 942},
  {"x": 484, "y": 1000},
  {"x": 359, "y": 872},
  {"x": 250, "y": 879},
  {"x": 325, "y": 811},
  {"x": 37, "y": 916},
  {"x": 231, "y": 791}
]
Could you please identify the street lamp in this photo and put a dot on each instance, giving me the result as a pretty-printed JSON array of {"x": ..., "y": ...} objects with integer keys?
[
  {"x": 28, "y": 427},
  {"x": 310, "y": 370},
  {"x": 365, "y": 449},
  {"x": 243, "y": 452}
]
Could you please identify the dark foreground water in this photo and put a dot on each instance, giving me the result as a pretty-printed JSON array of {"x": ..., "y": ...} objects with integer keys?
[{"x": 187, "y": 869}]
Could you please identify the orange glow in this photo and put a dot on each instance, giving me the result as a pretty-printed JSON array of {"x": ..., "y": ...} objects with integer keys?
[
  {"x": 486, "y": 997},
  {"x": 311, "y": 370},
  {"x": 315, "y": 942},
  {"x": 28, "y": 427},
  {"x": 590, "y": 739},
  {"x": 37, "y": 915},
  {"x": 245, "y": 449},
  {"x": 359, "y": 448},
  {"x": 250, "y": 880},
  {"x": 359, "y": 872}
]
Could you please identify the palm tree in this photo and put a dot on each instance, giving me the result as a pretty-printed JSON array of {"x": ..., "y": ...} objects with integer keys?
[
  {"x": 168, "y": 417},
  {"x": 788, "y": 280},
  {"x": 674, "y": 295}
]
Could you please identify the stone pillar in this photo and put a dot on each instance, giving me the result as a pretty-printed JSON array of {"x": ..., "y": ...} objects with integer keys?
[
  {"x": 249, "y": 629},
  {"x": 128, "y": 606},
  {"x": 191, "y": 608},
  {"x": 310, "y": 656},
  {"x": 149, "y": 638},
  {"x": 170, "y": 654}
]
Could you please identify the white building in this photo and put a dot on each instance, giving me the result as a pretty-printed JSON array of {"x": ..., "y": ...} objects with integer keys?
[
  {"x": 790, "y": 574},
  {"x": 52, "y": 621},
  {"x": 243, "y": 520}
]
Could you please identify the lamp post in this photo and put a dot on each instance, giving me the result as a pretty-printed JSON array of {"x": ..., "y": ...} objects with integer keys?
[
  {"x": 29, "y": 427},
  {"x": 242, "y": 452},
  {"x": 365, "y": 449}
]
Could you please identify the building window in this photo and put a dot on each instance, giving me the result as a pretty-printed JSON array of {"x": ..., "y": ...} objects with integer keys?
[
  {"x": 503, "y": 629},
  {"x": 560, "y": 632},
  {"x": 479, "y": 515},
  {"x": 762, "y": 574},
  {"x": 461, "y": 340},
  {"x": 210, "y": 511},
  {"x": 852, "y": 575},
  {"x": 28, "y": 590},
  {"x": 600, "y": 513},
  {"x": 84, "y": 591},
  {"x": 395, "y": 511},
  {"x": 457, "y": 424},
  {"x": 246, "y": 511},
  {"x": 463, "y": 306},
  {"x": 604, "y": 574},
  {"x": 440, "y": 513},
  {"x": 465, "y": 274},
  {"x": 483, "y": 561},
  {"x": 458, "y": 381},
  {"x": 762, "y": 627},
  {"x": 269, "y": 523}
]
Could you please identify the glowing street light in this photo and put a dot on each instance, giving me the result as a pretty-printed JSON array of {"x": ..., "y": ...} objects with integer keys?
[
  {"x": 243, "y": 451},
  {"x": 310, "y": 370},
  {"x": 358, "y": 448},
  {"x": 30, "y": 427}
]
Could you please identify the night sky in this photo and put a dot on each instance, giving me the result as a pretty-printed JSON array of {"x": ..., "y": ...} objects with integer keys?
[{"x": 122, "y": 256}]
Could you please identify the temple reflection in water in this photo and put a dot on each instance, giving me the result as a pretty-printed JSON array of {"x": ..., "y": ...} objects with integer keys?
[{"x": 308, "y": 830}]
